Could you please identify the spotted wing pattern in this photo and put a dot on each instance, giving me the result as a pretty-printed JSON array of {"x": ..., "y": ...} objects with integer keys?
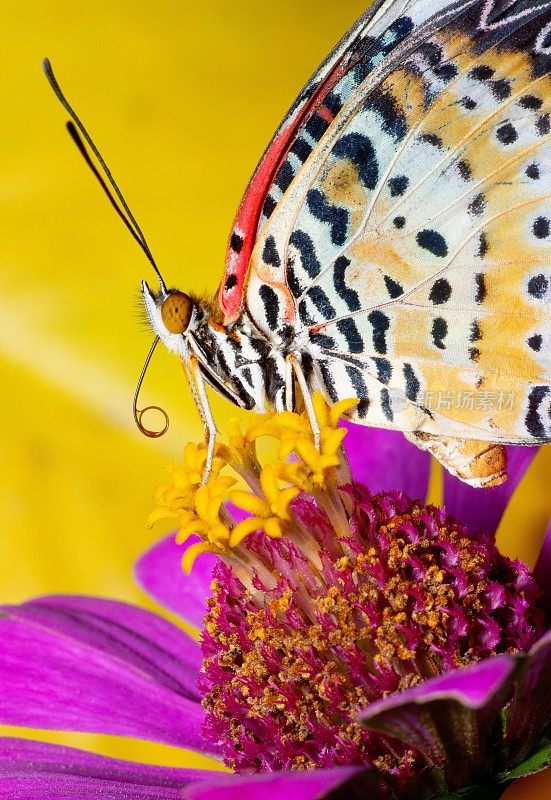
[
  {"x": 371, "y": 40},
  {"x": 410, "y": 251}
]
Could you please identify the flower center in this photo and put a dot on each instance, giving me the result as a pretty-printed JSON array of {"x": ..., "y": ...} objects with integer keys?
[
  {"x": 406, "y": 595},
  {"x": 326, "y": 599}
]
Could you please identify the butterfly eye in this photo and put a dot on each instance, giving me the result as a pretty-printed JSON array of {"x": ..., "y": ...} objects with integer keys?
[{"x": 176, "y": 312}]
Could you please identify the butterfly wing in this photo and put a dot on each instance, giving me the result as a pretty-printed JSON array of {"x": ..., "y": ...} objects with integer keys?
[
  {"x": 374, "y": 36},
  {"x": 412, "y": 247}
]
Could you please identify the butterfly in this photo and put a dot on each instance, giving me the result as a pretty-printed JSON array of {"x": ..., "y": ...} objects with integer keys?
[{"x": 394, "y": 242}]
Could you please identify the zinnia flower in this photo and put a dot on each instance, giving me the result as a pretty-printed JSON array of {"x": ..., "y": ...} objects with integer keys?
[{"x": 362, "y": 645}]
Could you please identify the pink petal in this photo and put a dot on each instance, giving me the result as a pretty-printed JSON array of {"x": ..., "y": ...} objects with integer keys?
[
  {"x": 94, "y": 665},
  {"x": 159, "y": 572},
  {"x": 385, "y": 461},
  {"x": 307, "y": 785},
  {"x": 449, "y": 715},
  {"x": 37, "y": 771},
  {"x": 529, "y": 713},
  {"x": 482, "y": 509},
  {"x": 542, "y": 570}
]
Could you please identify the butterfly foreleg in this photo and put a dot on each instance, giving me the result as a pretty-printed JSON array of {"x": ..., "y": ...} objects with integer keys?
[
  {"x": 294, "y": 371},
  {"x": 200, "y": 397}
]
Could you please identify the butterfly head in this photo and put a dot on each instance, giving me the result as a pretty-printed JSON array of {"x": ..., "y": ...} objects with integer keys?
[{"x": 170, "y": 313}]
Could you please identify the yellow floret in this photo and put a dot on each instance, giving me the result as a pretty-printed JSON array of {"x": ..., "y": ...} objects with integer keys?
[{"x": 199, "y": 509}]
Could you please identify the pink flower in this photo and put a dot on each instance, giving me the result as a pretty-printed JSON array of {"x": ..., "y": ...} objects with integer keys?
[{"x": 96, "y": 665}]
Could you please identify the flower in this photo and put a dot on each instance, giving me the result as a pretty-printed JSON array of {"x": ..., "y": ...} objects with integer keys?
[{"x": 97, "y": 665}]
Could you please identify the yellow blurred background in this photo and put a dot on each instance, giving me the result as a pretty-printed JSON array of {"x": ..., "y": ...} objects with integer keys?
[{"x": 181, "y": 99}]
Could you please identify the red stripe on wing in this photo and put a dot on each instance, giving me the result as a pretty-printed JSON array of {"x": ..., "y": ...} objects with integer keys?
[{"x": 245, "y": 225}]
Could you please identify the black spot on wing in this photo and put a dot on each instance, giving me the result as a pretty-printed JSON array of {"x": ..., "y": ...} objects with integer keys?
[
  {"x": 236, "y": 242},
  {"x": 392, "y": 117},
  {"x": 271, "y": 305},
  {"x": 412, "y": 383},
  {"x": 531, "y": 102},
  {"x": 399, "y": 222},
  {"x": 469, "y": 103},
  {"x": 285, "y": 176},
  {"x": 501, "y": 89},
  {"x": 477, "y": 205},
  {"x": 432, "y": 139},
  {"x": 385, "y": 405},
  {"x": 439, "y": 332},
  {"x": 334, "y": 216},
  {"x": 535, "y": 342},
  {"x": 269, "y": 206},
  {"x": 321, "y": 302},
  {"x": 301, "y": 149},
  {"x": 434, "y": 54},
  {"x": 323, "y": 340},
  {"x": 305, "y": 316},
  {"x": 384, "y": 369},
  {"x": 464, "y": 169},
  {"x": 398, "y": 185},
  {"x": 481, "y": 291},
  {"x": 533, "y": 171},
  {"x": 541, "y": 228},
  {"x": 360, "y": 389},
  {"x": 483, "y": 245},
  {"x": 357, "y": 148},
  {"x": 381, "y": 324},
  {"x": 507, "y": 133},
  {"x": 393, "y": 288},
  {"x": 308, "y": 258},
  {"x": 369, "y": 50},
  {"x": 543, "y": 124},
  {"x": 269, "y": 254},
  {"x": 292, "y": 280},
  {"x": 538, "y": 286},
  {"x": 534, "y": 422},
  {"x": 474, "y": 354},
  {"x": 432, "y": 241},
  {"x": 347, "y": 294},
  {"x": 347, "y": 327},
  {"x": 316, "y": 127},
  {"x": 329, "y": 381},
  {"x": 440, "y": 292},
  {"x": 231, "y": 281},
  {"x": 482, "y": 72},
  {"x": 546, "y": 43},
  {"x": 333, "y": 103},
  {"x": 475, "y": 333}
]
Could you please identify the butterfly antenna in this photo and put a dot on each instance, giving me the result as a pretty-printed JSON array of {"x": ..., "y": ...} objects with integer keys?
[
  {"x": 125, "y": 214},
  {"x": 139, "y": 412}
]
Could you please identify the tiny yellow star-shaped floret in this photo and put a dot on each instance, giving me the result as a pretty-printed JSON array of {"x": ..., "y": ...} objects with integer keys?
[
  {"x": 204, "y": 519},
  {"x": 198, "y": 509},
  {"x": 269, "y": 512},
  {"x": 317, "y": 466}
]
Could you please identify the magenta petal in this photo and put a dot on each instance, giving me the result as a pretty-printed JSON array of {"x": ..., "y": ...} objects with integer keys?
[
  {"x": 542, "y": 571},
  {"x": 94, "y": 665},
  {"x": 159, "y": 571},
  {"x": 482, "y": 509},
  {"x": 385, "y": 460},
  {"x": 451, "y": 714},
  {"x": 47, "y": 772},
  {"x": 307, "y": 785},
  {"x": 529, "y": 713}
]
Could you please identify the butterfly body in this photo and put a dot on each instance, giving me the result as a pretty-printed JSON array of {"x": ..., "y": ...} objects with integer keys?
[{"x": 394, "y": 243}]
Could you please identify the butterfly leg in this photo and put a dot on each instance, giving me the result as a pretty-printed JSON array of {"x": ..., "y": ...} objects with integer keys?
[
  {"x": 480, "y": 464},
  {"x": 294, "y": 368},
  {"x": 200, "y": 397}
]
